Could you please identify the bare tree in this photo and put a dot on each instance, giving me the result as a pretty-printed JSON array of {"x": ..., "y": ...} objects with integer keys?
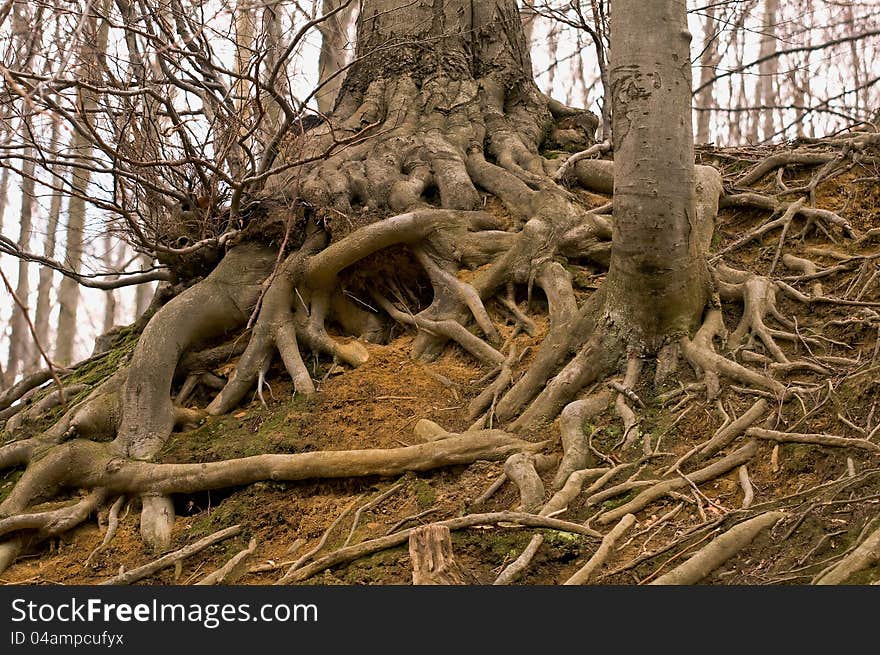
[{"x": 768, "y": 84}]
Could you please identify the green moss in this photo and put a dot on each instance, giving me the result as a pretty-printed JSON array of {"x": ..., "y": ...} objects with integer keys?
[
  {"x": 614, "y": 503},
  {"x": 797, "y": 458},
  {"x": 498, "y": 546},
  {"x": 254, "y": 431},
  {"x": 105, "y": 365},
  {"x": 425, "y": 494},
  {"x": 7, "y": 482}
]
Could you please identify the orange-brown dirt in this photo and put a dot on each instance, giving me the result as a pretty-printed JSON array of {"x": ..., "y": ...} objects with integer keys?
[{"x": 377, "y": 405}]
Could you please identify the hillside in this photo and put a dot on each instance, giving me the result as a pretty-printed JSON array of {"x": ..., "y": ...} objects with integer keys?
[{"x": 830, "y": 492}]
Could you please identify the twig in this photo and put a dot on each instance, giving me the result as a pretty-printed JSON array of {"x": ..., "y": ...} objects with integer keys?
[{"x": 368, "y": 506}]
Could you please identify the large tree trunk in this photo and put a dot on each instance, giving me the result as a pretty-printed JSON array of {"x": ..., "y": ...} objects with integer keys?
[{"x": 657, "y": 282}]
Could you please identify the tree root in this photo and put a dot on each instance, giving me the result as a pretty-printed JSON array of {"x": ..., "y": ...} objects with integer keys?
[
  {"x": 112, "y": 526},
  {"x": 362, "y": 549},
  {"x": 702, "y": 356},
  {"x": 172, "y": 558},
  {"x": 233, "y": 569},
  {"x": 865, "y": 554},
  {"x": 582, "y": 575},
  {"x": 645, "y": 498},
  {"x": 516, "y": 568},
  {"x": 520, "y": 468},
  {"x": 719, "y": 550},
  {"x": 820, "y": 439},
  {"x": 574, "y": 441},
  {"x": 722, "y": 437}
]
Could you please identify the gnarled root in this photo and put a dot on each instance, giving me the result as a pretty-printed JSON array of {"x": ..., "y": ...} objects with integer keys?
[
  {"x": 700, "y": 353},
  {"x": 575, "y": 445}
]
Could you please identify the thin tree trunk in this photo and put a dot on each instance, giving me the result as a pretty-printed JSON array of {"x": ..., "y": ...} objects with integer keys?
[
  {"x": 112, "y": 261},
  {"x": 334, "y": 38},
  {"x": 553, "y": 46},
  {"x": 768, "y": 84},
  {"x": 20, "y": 338},
  {"x": 656, "y": 282},
  {"x": 95, "y": 41},
  {"x": 143, "y": 294},
  {"x": 44, "y": 287},
  {"x": 528, "y": 15},
  {"x": 4, "y": 187},
  {"x": 708, "y": 63}
]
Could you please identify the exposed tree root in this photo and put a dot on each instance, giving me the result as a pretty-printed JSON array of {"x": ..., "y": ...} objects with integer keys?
[
  {"x": 417, "y": 190},
  {"x": 171, "y": 559},
  {"x": 724, "y": 436},
  {"x": 722, "y": 466},
  {"x": 582, "y": 575},
  {"x": 233, "y": 569},
  {"x": 112, "y": 526},
  {"x": 821, "y": 439},
  {"x": 516, "y": 568},
  {"x": 719, "y": 550},
  {"x": 865, "y": 554}
]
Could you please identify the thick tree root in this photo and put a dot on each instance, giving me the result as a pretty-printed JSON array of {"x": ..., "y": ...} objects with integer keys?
[
  {"x": 865, "y": 554},
  {"x": 582, "y": 575},
  {"x": 574, "y": 441},
  {"x": 719, "y": 550}
]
